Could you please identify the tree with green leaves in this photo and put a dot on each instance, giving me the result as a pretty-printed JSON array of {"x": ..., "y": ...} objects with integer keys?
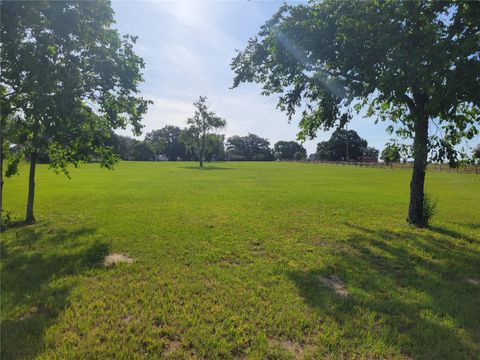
[
  {"x": 300, "y": 156},
  {"x": 143, "y": 152},
  {"x": 215, "y": 147},
  {"x": 71, "y": 78},
  {"x": 286, "y": 150},
  {"x": 249, "y": 147},
  {"x": 414, "y": 63},
  {"x": 371, "y": 152},
  {"x": 155, "y": 143},
  {"x": 203, "y": 123},
  {"x": 343, "y": 145},
  {"x": 167, "y": 141},
  {"x": 10, "y": 154},
  {"x": 391, "y": 153},
  {"x": 123, "y": 146}
]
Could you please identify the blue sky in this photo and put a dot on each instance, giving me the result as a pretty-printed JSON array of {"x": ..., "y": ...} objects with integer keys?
[{"x": 187, "y": 48}]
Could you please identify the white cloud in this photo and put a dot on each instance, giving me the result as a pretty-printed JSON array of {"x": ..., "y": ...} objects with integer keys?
[{"x": 163, "y": 112}]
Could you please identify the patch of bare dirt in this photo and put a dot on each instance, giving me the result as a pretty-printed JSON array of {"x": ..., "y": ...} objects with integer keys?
[
  {"x": 475, "y": 282},
  {"x": 115, "y": 258},
  {"x": 172, "y": 347},
  {"x": 292, "y": 347},
  {"x": 336, "y": 284},
  {"x": 32, "y": 311},
  {"x": 127, "y": 319}
]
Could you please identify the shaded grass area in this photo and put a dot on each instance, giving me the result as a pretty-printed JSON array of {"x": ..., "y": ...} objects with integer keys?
[
  {"x": 38, "y": 269},
  {"x": 407, "y": 290},
  {"x": 228, "y": 264}
]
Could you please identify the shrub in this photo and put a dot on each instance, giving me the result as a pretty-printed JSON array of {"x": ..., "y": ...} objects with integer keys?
[
  {"x": 6, "y": 220},
  {"x": 429, "y": 208}
]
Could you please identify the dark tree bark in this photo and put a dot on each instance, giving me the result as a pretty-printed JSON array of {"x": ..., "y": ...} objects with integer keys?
[
  {"x": 30, "y": 218},
  {"x": 417, "y": 184}
]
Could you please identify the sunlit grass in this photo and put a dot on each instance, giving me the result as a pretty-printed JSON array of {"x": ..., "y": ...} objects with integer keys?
[{"x": 229, "y": 261}]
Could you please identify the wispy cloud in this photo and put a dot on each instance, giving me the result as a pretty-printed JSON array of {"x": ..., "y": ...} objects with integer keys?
[
  {"x": 202, "y": 18},
  {"x": 186, "y": 65}
]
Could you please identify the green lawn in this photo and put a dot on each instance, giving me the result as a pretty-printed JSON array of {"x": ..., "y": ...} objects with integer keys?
[{"x": 229, "y": 263}]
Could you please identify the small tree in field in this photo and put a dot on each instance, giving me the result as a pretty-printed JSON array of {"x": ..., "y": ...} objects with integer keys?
[
  {"x": 203, "y": 123},
  {"x": 70, "y": 79},
  {"x": 390, "y": 154},
  {"x": 414, "y": 63}
]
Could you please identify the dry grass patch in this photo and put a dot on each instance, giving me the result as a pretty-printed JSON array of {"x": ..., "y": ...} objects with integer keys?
[
  {"x": 475, "y": 282},
  {"x": 115, "y": 258},
  {"x": 336, "y": 284},
  {"x": 294, "y": 348}
]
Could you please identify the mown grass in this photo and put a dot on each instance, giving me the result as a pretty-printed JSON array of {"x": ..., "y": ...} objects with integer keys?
[{"x": 229, "y": 260}]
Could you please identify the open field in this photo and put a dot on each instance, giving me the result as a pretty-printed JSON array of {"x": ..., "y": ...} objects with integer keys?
[{"x": 229, "y": 262}]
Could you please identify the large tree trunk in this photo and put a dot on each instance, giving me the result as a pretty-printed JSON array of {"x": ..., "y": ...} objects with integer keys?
[
  {"x": 420, "y": 153},
  {"x": 30, "y": 219}
]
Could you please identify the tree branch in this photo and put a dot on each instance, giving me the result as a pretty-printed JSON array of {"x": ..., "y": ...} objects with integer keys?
[{"x": 409, "y": 101}]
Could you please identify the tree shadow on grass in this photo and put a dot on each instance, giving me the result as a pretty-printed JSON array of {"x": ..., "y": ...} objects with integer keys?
[
  {"x": 471, "y": 226},
  {"x": 39, "y": 265},
  {"x": 206, "y": 168},
  {"x": 454, "y": 234},
  {"x": 407, "y": 292}
]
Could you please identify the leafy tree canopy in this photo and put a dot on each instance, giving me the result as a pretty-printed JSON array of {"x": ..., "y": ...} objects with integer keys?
[
  {"x": 335, "y": 148},
  {"x": 250, "y": 147},
  {"x": 371, "y": 152},
  {"x": 285, "y": 150},
  {"x": 70, "y": 76},
  {"x": 334, "y": 55},
  {"x": 143, "y": 152},
  {"x": 123, "y": 146},
  {"x": 167, "y": 141},
  {"x": 201, "y": 124},
  {"x": 391, "y": 153},
  {"x": 214, "y": 147}
]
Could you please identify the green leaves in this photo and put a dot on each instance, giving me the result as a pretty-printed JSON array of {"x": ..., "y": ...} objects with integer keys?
[
  {"x": 330, "y": 58},
  {"x": 249, "y": 147},
  {"x": 70, "y": 77},
  {"x": 203, "y": 122}
]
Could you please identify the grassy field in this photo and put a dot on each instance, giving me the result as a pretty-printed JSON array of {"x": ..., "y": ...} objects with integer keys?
[{"x": 230, "y": 262}]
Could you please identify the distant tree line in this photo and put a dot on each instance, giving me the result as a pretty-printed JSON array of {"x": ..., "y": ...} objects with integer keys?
[
  {"x": 175, "y": 144},
  {"x": 169, "y": 143}
]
